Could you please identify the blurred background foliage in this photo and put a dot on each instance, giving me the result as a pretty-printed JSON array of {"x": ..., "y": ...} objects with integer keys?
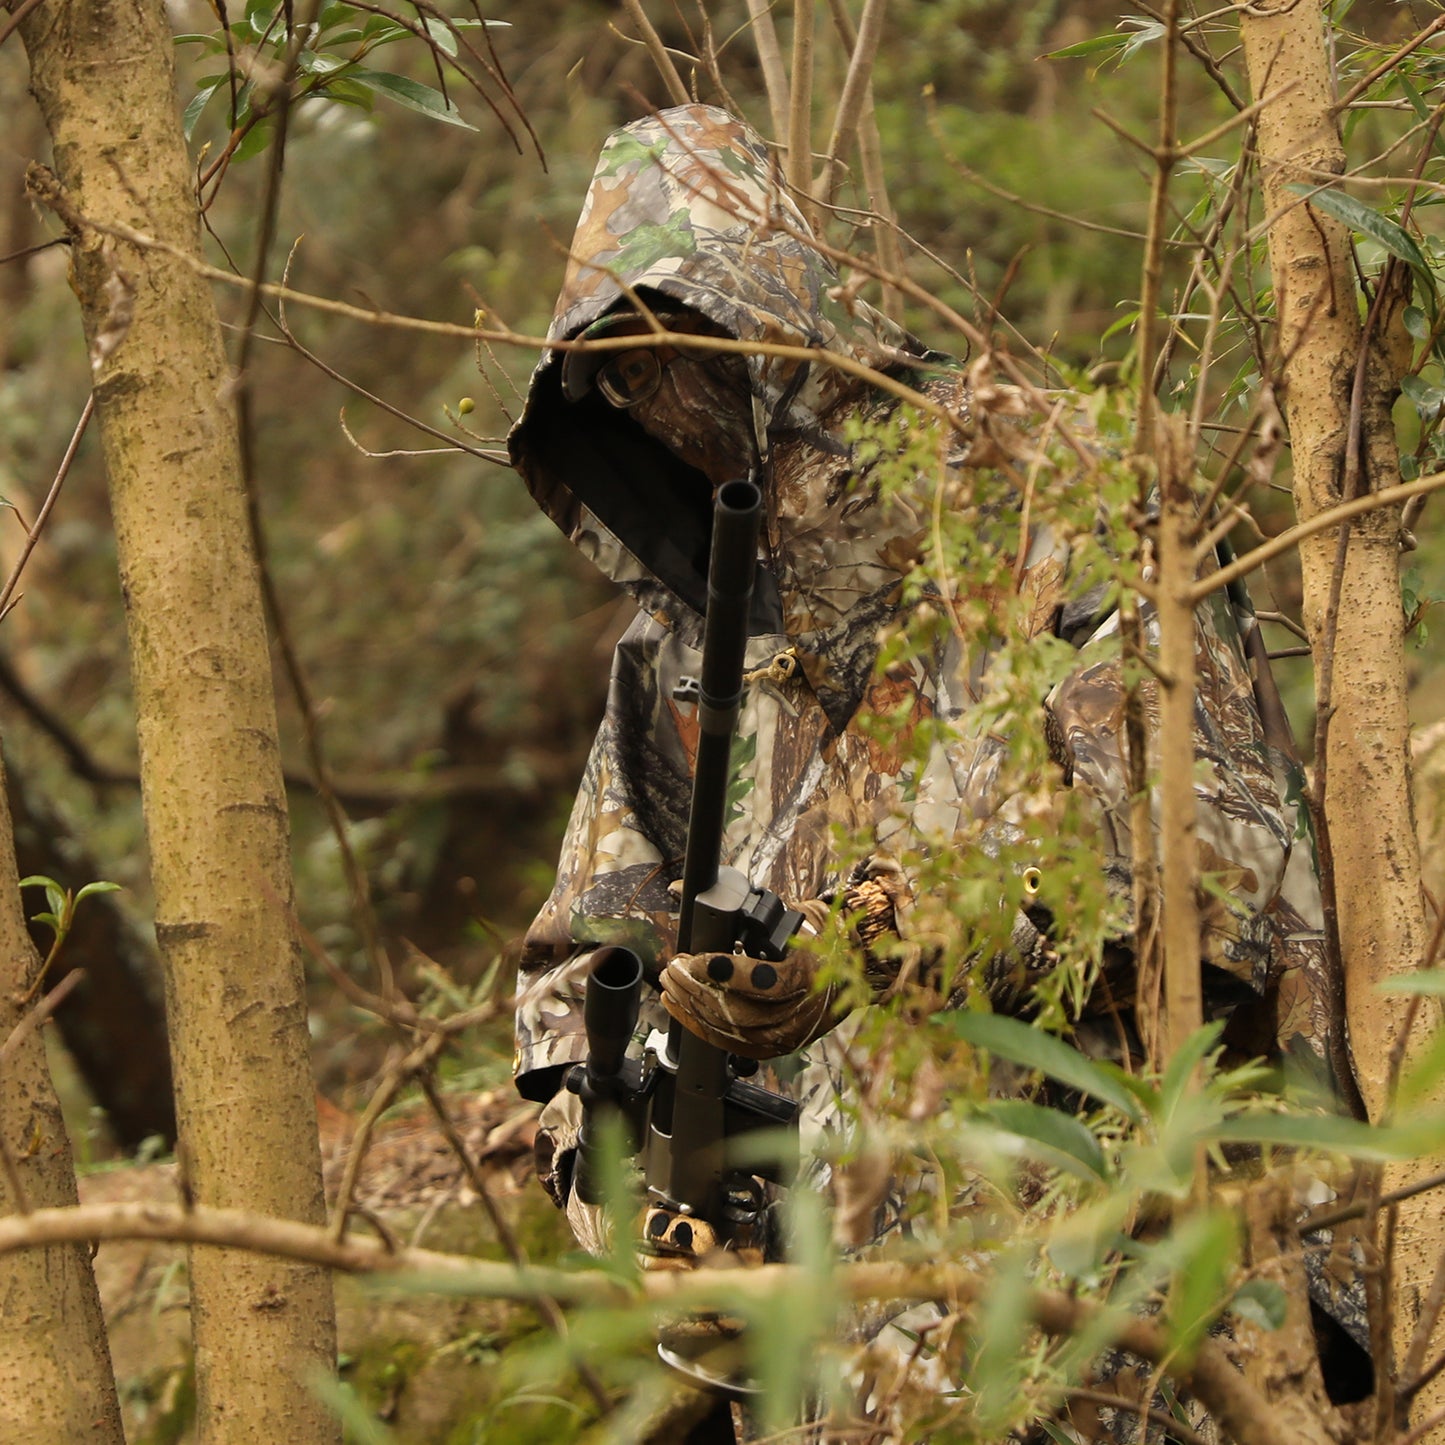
[{"x": 456, "y": 647}]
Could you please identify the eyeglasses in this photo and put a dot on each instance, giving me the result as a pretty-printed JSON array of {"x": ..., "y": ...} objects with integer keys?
[{"x": 631, "y": 377}]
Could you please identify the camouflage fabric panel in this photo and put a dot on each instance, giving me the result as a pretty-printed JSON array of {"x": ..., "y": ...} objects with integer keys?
[
  {"x": 1262, "y": 919},
  {"x": 689, "y": 204}
]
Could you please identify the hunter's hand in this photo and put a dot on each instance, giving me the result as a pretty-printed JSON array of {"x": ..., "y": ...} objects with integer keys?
[{"x": 746, "y": 1005}]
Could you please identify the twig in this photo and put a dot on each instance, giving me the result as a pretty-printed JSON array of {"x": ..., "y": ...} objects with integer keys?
[
  {"x": 1423, "y": 1430},
  {"x": 358, "y": 884},
  {"x": 1289, "y": 539},
  {"x": 34, "y": 250},
  {"x": 32, "y": 535},
  {"x": 1328, "y": 1218},
  {"x": 1386, "y": 66},
  {"x": 1283, "y": 619},
  {"x": 798, "y": 169},
  {"x": 658, "y": 51},
  {"x": 1413, "y": 1374},
  {"x": 547, "y": 1307},
  {"x": 855, "y": 93},
  {"x": 391, "y": 1081},
  {"x": 1165, "y": 155},
  {"x": 396, "y": 1010},
  {"x": 393, "y": 321},
  {"x": 453, "y": 443},
  {"x": 29, "y": 1022},
  {"x": 770, "y": 62},
  {"x": 875, "y": 182},
  {"x": 1201, "y": 53},
  {"x": 1177, "y": 1429},
  {"x": 37, "y": 1016},
  {"x": 16, "y": 17},
  {"x": 1235, "y": 1403}
]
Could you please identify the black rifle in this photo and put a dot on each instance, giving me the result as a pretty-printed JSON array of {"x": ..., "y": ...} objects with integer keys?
[{"x": 685, "y": 1101}]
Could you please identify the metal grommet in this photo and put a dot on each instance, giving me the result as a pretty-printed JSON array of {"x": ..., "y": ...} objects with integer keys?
[{"x": 1033, "y": 881}]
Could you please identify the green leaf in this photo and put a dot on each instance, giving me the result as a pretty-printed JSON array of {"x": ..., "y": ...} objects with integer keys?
[
  {"x": 1260, "y": 1301},
  {"x": 1124, "y": 323},
  {"x": 1360, "y": 217},
  {"x": 335, "y": 12},
  {"x": 1095, "y": 46},
  {"x": 360, "y": 1420},
  {"x": 313, "y": 62},
  {"x": 1420, "y": 1079},
  {"x": 1057, "y": 1138},
  {"x": 211, "y": 44},
  {"x": 413, "y": 95},
  {"x": 377, "y": 24},
  {"x": 1205, "y": 1250},
  {"x": 1427, "y": 399},
  {"x": 1417, "y": 323},
  {"x": 38, "y": 880},
  {"x": 199, "y": 101},
  {"x": 256, "y": 140},
  {"x": 345, "y": 92},
  {"x": 1022, "y": 1044},
  {"x": 1185, "y": 1061},
  {"x": 1330, "y": 1134},
  {"x": 1421, "y": 108},
  {"x": 1001, "y": 1356},
  {"x": 100, "y": 886}
]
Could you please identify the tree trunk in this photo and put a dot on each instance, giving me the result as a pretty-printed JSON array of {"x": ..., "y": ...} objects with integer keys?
[
  {"x": 210, "y": 770},
  {"x": 1358, "y": 638},
  {"x": 55, "y": 1378}
]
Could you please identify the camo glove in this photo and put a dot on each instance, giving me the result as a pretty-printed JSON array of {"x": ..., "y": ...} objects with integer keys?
[
  {"x": 555, "y": 1152},
  {"x": 746, "y": 1005},
  {"x": 765, "y": 1010}
]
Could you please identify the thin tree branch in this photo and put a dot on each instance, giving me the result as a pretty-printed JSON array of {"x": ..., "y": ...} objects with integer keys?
[
  {"x": 1291, "y": 537},
  {"x": 855, "y": 93},
  {"x": 32, "y": 535},
  {"x": 31, "y": 1021},
  {"x": 770, "y": 61},
  {"x": 1237, "y": 1406},
  {"x": 799, "y": 166},
  {"x": 1387, "y": 65},
  {"x": 15, "y": 19},
  {"x": 546, "y": 1306},
  {"x": 658, "y": 51}
]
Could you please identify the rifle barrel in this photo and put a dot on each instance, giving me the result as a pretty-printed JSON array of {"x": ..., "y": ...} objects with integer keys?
[{"x": 737, "y": 519}]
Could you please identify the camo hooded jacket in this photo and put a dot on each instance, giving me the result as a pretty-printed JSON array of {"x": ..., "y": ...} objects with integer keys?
[{"x": 686, "y": 215}]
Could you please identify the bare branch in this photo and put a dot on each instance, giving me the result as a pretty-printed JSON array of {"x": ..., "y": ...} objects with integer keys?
[
  {"x": 32, "y": 535},
  {"x": 1235, "y": 1403},
  {"x": 855, "y": 94},
  {"x": 799, "y": 167},
  {"x": 1289, "y": 539},
  {"x": 770, "y": 61},
  {"x": 658, "y": 51}
]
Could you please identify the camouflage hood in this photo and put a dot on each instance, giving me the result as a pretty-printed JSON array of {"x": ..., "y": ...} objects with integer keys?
[{"x": 686, "y": 210}]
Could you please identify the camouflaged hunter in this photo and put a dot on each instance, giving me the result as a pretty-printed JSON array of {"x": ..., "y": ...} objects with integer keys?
[{"x": 687, "y": 226}]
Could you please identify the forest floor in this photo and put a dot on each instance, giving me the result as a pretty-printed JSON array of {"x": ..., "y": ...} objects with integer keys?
[{"x": 424, "y": 1365}]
